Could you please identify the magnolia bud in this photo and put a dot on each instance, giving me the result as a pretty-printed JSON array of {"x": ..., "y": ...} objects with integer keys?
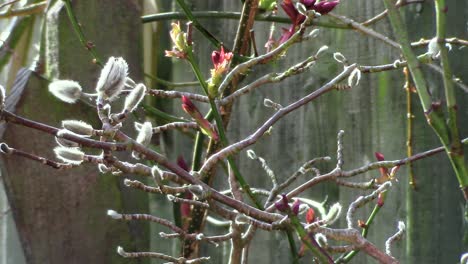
[
  {"x": 66, "y": 90},
  {"x": 145, "y": 134},
  {"x": 69, "y": 155},
  {"x": 135, "y": 97},
  {"x": 112, "y": 79},
  {"x": 78, "y": 127},
  {"x": 113, "y": 214},
  {"x": 121, "y": 251}
]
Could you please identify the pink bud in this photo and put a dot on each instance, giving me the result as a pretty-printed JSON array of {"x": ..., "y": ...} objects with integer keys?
[
  {"x": 295, "y": 207},
  {"x": 310, "y": 216},
  {"x": 324, "y": 7},
  {"x": 282, "y": 205},
  {"x": 379, "y": 156},
  {"x": 380, "y": 200},
  {"x": 188, "y": 106}
]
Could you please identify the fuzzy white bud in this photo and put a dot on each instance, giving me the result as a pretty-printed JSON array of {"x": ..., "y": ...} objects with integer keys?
[
  {"x": 433, "y": 48},
  {"x": 78, "y": 127},
  {"x": 145, "y": 134},
  {"x": 135, "y": 97},
  {"x": 314, "y": 33},
  {"x": 144, "y": 137},
  {"x": 333, "y": 214},
  {"x": 103, "y": 168},
  {"x": 69, "y": 155},
  {"x": 66, "y": 90},
  {"x": 170, "y": 197},
  {"x": 157, "y": 173},
  {"x": 251, "y": 154},
  {"x": 112, "y": 79},
  {"x": 300, "y": 7},
  {"x": 321, "y": 239},
  {"x": 339, "y": 57},
  {"x": 200, "y": 236},
  {"x": 121, "y": 251},
  {"x": 354, "y": 77},
  {"x": 127, "y": 182},
  {"x": 321, "y": 50},
  {"x": 113, "y": 214}
]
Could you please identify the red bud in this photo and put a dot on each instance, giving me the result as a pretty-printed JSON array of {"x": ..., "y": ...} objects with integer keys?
[{"x": 310, "y": 216}]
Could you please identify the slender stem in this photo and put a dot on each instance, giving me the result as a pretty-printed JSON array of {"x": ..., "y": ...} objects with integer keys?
[
  {"x": 163, "y": 115},
  {"x": 456, "y": 150},
  {"x": 233, "y": 15},
  {"x": 76, "y": 26},
  {"x": 197, "y": 25},
  {"x": 434, "y": 115},
  {"x": 409, "y": 126}
]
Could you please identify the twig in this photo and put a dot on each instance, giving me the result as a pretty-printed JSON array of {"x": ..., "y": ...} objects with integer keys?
[
  {"x": 397, "y": 236},
  {"x": 175, "y": 125},
  {"x": 176, "y": 199},
  {"x": 453, "y": 41},
  {"x": 361, "y": 201},
  {"x": 180, "y": 260},
  {"x": 5, "y": 149},
  {"x": 353, "y": 236},
  {"x": 367, "y": 31},
  {"x": 177, "y": 94},
  {"x": 400, "y": 3}
]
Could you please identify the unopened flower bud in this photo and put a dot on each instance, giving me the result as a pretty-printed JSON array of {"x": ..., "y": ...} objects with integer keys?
[
  {"x": 157, "y": 173},
  {"x": 310, "y": 216},
  {"x": 251, "y": 154},
  {"x": 103, "y": 169},
  {"x": 354, "y": 77},
  {"x": 78, "y": 127},
  {"x": 321, "y": 50},
  {"x": 113, "y": 214},
  {"x": 433, "y": 48},
  {"x": 112, "y": 79},
  {"x": 321, "y": 239},
  {"x": 295, "y": 207},
  {"x": 69, "y": 155},
  {"x": 135, "y": 97},
  {"x": 66, "y": 90},
  {"x": 205, "y": 126},
  {"x": 121, "y": 251},
  {"x": 339, "y": 57},
  {"x": 324, "y": 7},
  {"x": 282, "y": 205},
  {"x": 145, "y": 134}
]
